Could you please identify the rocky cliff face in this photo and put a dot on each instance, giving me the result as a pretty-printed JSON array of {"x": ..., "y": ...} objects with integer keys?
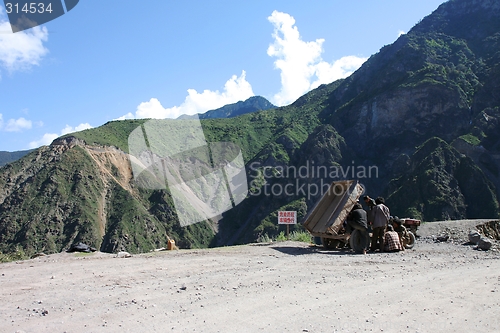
[{"x": 442, "y": 183}]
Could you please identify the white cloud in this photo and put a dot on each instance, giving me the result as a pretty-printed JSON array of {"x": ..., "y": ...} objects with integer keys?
[
  {"x": 235, "y": 89},
  {"x": 129, "y": 115},
  {"x": 154, "y": 109},
  {"x": 300, "y": 62},
  {"x": 81, "y": 127},
  {"x": 21, "y": 50},
  {"x": 17, "y": 125},
  {"x": 401, "y": 32},
  {"x": 341, "y": 68},
  {"x": 47, "y": 138}
]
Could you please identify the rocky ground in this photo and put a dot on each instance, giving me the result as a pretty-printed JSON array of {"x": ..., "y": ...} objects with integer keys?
[
  {"x": 457, "y": 230},
  {"x": 277, "y": 287}
]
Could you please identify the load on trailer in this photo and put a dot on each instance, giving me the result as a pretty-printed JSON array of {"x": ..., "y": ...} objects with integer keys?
[{"x": 326, "y": 219}]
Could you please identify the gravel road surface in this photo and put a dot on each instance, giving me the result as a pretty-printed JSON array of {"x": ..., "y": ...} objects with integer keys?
[{"x": 277, "y": 287}]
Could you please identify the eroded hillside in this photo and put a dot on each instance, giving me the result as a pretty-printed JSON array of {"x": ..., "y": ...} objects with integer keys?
[{"x": 69, "y": 192}]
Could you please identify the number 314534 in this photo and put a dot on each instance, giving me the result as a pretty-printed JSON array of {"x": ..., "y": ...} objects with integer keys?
[{"x": 31, "y": 8}]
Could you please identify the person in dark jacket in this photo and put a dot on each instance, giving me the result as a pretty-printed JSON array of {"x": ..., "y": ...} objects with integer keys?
[
  {"x": 380, "y": 219},
  {"x": 369, "y": 201},
  {"x": 357, "y": 220},
  {"x": 371, "y": 208}
]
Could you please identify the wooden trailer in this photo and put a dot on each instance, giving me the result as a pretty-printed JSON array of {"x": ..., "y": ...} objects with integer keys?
[{"x": 326, "y": 219}]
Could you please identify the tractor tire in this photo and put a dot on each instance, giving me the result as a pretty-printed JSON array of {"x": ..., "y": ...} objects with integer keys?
[
  {"x": 410, "y": 240},
  {"x": 359, "y": 241}
]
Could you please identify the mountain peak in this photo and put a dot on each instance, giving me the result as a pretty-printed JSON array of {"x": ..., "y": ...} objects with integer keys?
[
  {"x": 252, "y": 104},
  {"x": 462, "y": 18}
]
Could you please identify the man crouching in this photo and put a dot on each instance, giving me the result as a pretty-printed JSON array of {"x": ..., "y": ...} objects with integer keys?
[
  {"x": 357, "y": 220},
  {"x": 392, "y": 242}
]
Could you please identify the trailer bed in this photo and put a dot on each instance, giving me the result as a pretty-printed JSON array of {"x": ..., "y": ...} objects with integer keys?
[{"x": 328, "y": 215}]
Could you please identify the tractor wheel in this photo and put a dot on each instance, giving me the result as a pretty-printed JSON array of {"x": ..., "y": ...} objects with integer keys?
[{"x": 410, "y": 240}]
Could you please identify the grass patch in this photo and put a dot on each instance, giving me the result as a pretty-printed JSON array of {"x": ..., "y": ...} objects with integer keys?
[
  {"x": 15, "y": 256},
  {"x": 471, "y": 139},
  {"x": 83, "y": 254},
  {"x": 296, "y": 236}
]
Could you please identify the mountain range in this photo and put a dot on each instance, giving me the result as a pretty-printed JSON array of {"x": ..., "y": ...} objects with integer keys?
[
  {"x": 7, "y": 156},
  {"x": 418, "y": 124}
]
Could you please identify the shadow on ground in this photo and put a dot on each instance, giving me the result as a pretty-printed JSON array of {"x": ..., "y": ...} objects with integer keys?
[{"x": 294, "y": 251}]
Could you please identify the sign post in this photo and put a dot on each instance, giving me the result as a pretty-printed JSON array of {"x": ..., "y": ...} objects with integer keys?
[{"x": 287, "y": 217}]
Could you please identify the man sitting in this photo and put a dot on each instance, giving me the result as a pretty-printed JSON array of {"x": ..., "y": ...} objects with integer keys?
[{"x": 391, "y": 240}]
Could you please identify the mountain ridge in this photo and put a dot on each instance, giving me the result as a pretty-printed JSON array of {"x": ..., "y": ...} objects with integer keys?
[
  {"x": 10, "y": 156},
  {"x": 251, "y": 104}
]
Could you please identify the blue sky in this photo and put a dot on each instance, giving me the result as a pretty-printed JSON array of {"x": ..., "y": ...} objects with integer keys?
[{"x": 118, "y": 59}]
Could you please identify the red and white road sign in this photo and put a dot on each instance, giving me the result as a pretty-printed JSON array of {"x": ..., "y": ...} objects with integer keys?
[{"x": 287, "y": 217}]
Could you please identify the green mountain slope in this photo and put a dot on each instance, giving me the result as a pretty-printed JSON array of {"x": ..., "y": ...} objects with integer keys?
[{"x": 442, "y": 183}]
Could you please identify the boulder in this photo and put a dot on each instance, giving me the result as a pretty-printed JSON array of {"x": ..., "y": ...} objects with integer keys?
[
  {"x": 474, "y": 236},
  {"x": 484, "y": 244},
  {"x": 123, "y": 254},
  {"x": 443, "y": 238},
  {"x": 81, "y": 247}
]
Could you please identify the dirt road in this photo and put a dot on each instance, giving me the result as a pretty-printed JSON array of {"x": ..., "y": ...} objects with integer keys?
[{"x": 281, "y": 287}]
